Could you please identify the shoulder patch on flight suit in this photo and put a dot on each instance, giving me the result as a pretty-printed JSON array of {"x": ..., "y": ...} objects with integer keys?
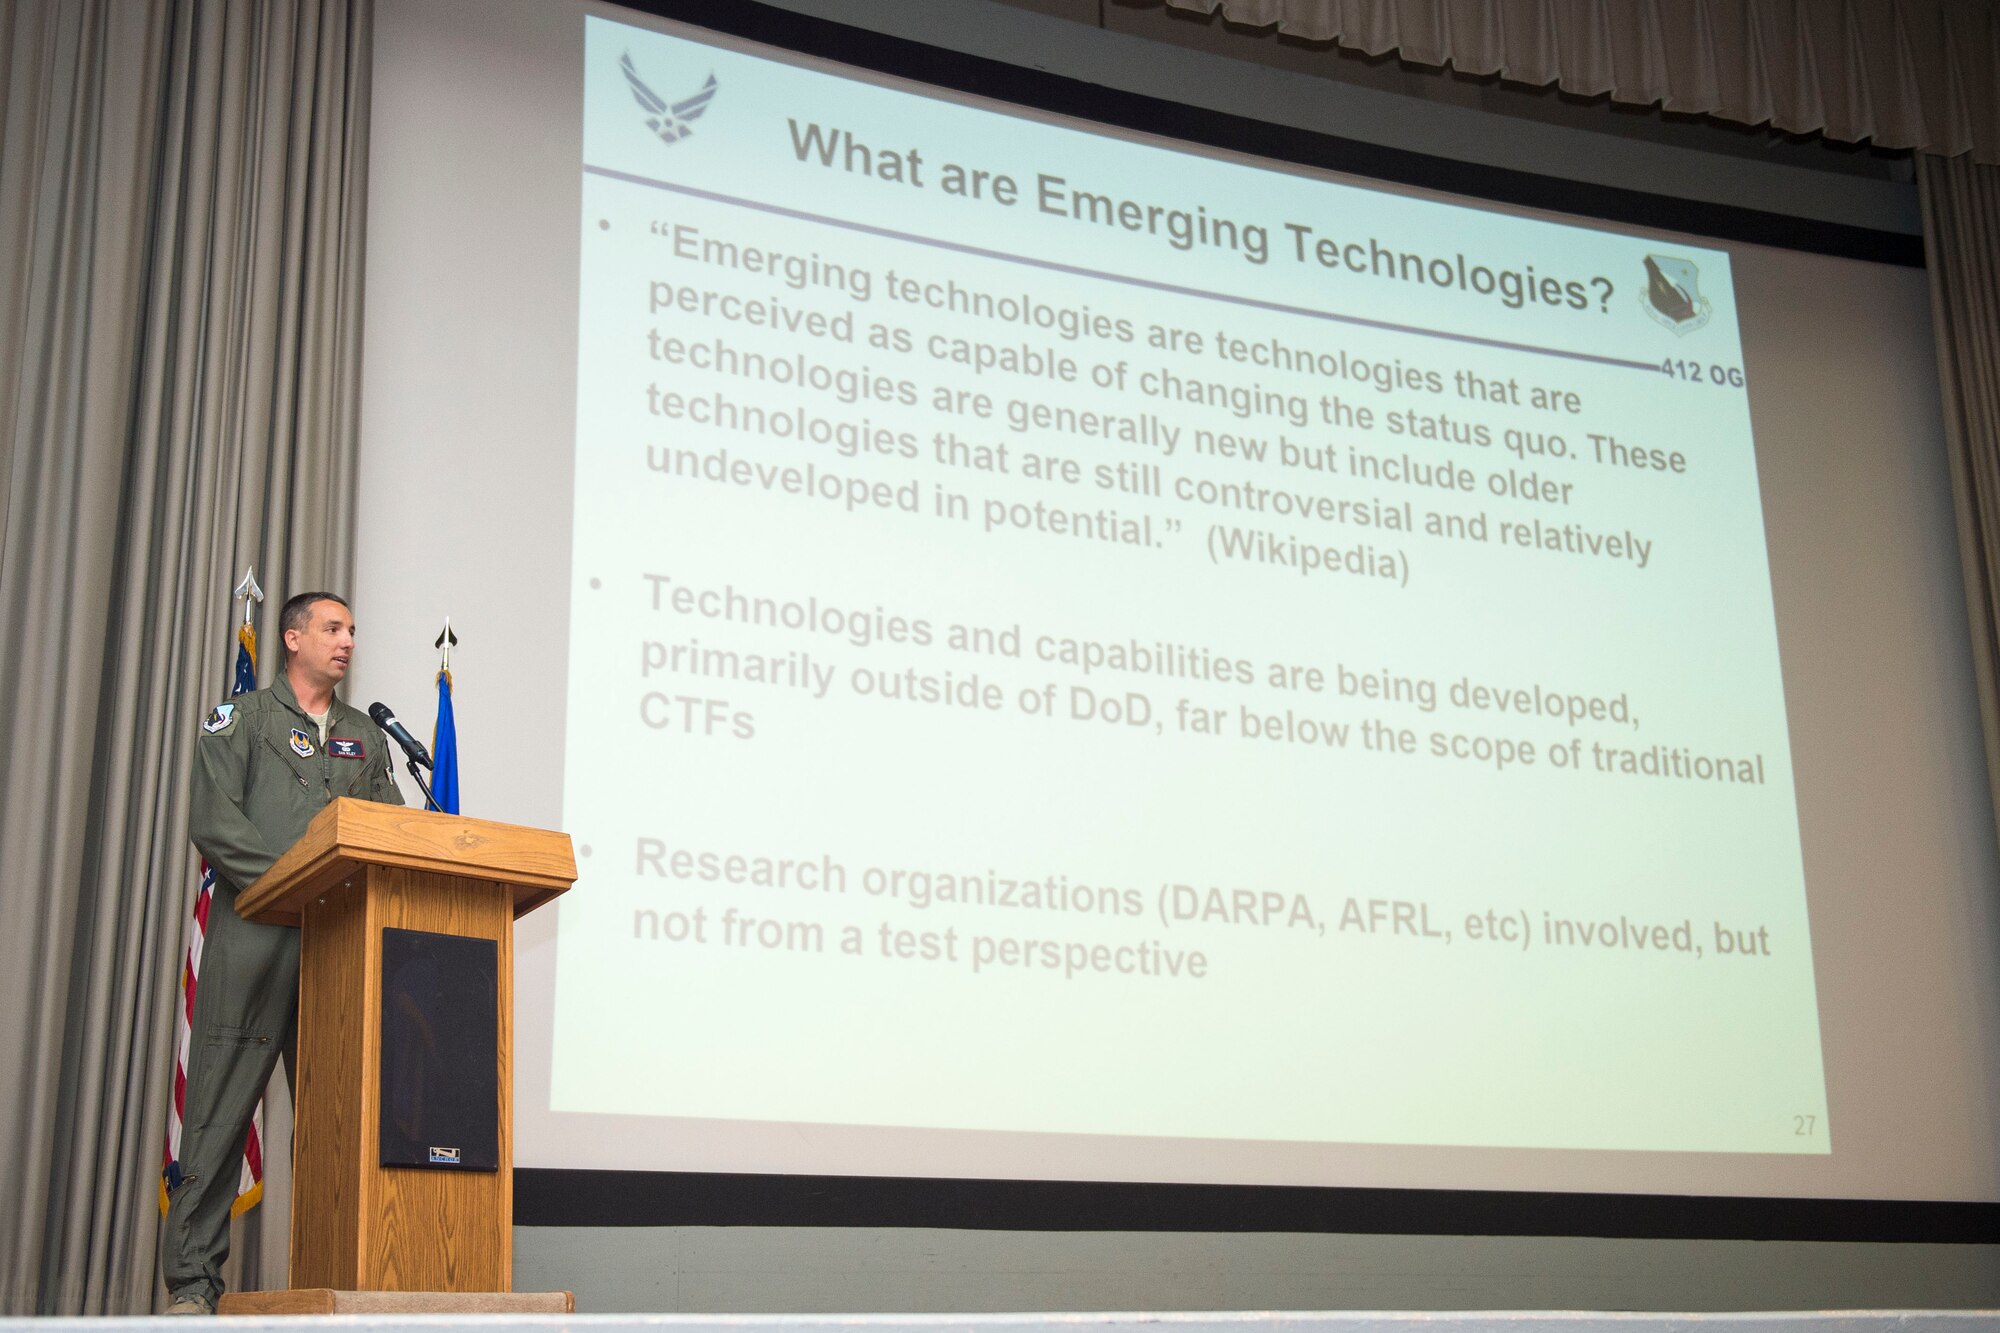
[{"x": 220, "y": 718}]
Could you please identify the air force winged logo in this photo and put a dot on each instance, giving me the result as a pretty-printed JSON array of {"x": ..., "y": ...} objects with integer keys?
[
  {"x": 671, "y": 121},
  {"x": 1673, "y": 294}
]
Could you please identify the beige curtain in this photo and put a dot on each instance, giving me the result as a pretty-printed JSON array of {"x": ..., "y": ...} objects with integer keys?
[
  {"x": 1919, "y": 74},
  {"x": 181, "y": 207},
  {"x": 1961, "y": 204}
]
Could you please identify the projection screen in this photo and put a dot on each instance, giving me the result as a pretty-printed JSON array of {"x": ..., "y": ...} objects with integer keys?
[{"x": 1068, "y": 655}]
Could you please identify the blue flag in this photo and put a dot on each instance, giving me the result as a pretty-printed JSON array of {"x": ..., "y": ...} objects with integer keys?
[{"x": 444, "y": 751}]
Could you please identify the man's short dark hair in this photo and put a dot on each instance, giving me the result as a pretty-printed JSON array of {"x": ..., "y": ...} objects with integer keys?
[{"x": 296, "y": 613}]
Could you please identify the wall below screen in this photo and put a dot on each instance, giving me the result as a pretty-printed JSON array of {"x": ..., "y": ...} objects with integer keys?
[
  {"x": 790, "y": 1270},
  {"x": 801, "y": 1270}
]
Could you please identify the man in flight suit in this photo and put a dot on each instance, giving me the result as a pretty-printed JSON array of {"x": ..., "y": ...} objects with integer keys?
[{"x": 264, "y": 765}]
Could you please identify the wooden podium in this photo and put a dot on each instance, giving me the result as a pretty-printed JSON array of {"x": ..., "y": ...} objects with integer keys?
[{"x": 363, "y": 868}]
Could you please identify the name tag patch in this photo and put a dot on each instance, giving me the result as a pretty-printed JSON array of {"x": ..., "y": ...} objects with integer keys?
[
  {"x": 302, "y": 745},
  {"x": 345, "y": 749}
]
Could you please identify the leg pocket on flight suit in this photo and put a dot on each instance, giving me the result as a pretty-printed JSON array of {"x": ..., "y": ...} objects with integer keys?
[
  {"x": 226, "y": 1048},
  {"x": 221, "y": 1035}
]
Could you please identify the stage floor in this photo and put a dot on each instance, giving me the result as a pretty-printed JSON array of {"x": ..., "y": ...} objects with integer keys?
[{"x": 1829, "y": 1321}]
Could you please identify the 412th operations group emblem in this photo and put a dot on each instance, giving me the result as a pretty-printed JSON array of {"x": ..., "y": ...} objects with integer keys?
[{"x": 1672, "y": 296}]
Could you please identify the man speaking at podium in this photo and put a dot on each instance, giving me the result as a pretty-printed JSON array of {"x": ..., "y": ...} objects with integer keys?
[{"x": 265, "y": 764}]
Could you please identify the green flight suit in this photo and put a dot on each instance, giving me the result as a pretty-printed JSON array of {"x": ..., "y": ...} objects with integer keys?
[{"x": 261, "y": 772}]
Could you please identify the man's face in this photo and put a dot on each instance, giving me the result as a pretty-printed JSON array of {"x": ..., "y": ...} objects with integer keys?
[{"x": 322, "y": 650}]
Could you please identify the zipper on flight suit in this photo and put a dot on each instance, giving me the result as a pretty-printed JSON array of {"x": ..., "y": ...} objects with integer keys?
[{"x": 279, "y": 751}]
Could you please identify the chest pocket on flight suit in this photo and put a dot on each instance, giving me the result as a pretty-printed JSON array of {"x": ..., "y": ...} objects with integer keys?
[
  {"x": 350, "y": 776},
  {"x": 301, "y": 769}
]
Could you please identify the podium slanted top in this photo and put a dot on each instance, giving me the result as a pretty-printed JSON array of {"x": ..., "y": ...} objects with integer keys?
[{"x": 349, "y": 836}]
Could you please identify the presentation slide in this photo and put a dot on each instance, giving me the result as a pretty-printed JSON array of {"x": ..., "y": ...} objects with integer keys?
[{"x": 1074, "y": 637}]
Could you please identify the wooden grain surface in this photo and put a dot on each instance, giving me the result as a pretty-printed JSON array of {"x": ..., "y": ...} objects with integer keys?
[
  {"x": 322, "y": 1300},
  {"x": 535, "y": 864},
  {"x": 443, "y": 1230},
  {"x": 337, "y": 1045},
  {"x": 357, "y": 1225}
]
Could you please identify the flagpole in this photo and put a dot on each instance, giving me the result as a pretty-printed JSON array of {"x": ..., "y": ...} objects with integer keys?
[{"x": 444, "y": 733}]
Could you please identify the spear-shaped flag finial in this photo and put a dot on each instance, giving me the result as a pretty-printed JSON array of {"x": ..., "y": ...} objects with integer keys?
[{"x": 248, "y": 593}]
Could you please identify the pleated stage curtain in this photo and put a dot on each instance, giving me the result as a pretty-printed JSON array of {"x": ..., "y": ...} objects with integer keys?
[
  {"x": 1921, "y": 74},
  {"x": 1961, "y": 206},
  {"x": 181, "y": 209}
]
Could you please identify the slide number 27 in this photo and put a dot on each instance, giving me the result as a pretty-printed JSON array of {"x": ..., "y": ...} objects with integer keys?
[{"x": 1802, "y": 1125}]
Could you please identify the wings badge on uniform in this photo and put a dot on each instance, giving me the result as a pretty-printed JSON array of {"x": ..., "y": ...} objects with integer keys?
[{"x": 668, "y": 120}]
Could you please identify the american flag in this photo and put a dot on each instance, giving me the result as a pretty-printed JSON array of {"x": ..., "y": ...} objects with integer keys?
[{"x": 250, "y": 1181}]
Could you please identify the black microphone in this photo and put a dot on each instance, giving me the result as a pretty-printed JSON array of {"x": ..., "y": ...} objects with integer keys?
[{"x": 399, "y": 734}]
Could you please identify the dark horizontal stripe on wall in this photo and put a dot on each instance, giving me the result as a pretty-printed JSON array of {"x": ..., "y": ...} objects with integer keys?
[
  {"x": 552, "y": 1198},
  {"x": 1006, "y": 82}
]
